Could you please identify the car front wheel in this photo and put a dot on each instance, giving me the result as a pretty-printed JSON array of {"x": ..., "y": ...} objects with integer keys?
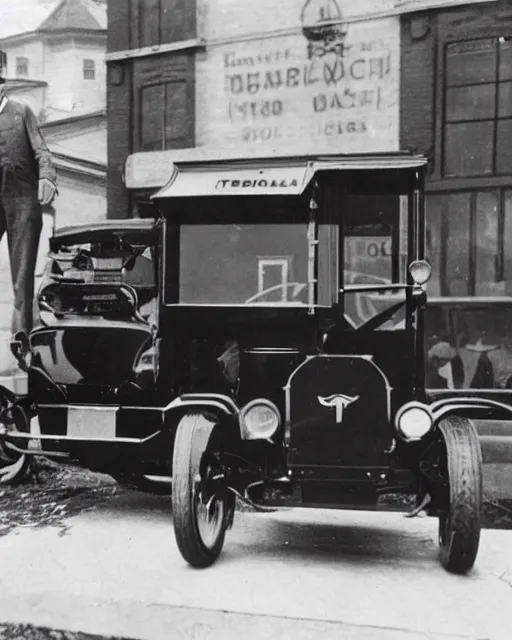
[
  {"x": 199, "y": 494},
  {"x": 460, "y": 516}
]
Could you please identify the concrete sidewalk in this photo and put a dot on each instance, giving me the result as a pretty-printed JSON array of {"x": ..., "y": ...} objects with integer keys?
[{"x": 294, "y": 574}]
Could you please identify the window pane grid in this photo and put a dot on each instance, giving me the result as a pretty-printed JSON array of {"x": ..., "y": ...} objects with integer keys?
[
  {"x": 469, "y": 237},
  {"x": 478, "y": 106},
  {"x": 89, "y": 69}
]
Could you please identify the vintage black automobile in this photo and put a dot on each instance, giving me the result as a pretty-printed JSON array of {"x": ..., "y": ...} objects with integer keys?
[
  {"x": 293, "y": 298},
  {"x": 90, "y": 359},
  {"x": 281, "y": 360}
]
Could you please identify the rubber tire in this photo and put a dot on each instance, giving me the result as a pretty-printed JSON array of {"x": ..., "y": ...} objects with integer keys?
[
  {"x": 192, "y": 438},
  {"x": 464, "y": 520},
  {"x": 20, "y": 473},
  {"x": 26, "y": 464}
]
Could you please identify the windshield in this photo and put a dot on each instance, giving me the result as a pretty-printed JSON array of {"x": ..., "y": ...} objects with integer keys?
[{"x": 235, "y": 264}]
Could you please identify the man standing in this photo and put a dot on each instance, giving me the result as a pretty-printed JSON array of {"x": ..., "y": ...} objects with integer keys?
[{"x": 27, "y": 183}]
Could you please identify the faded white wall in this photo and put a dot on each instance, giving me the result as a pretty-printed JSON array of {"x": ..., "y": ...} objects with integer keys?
[
  {"x": 67, "y": 89},
  {"x": 31, "y": 49},
  {"x": 89, "y": 94},
  {"x": 261, "y": 84},
  {"x": 79, "y": 201}
]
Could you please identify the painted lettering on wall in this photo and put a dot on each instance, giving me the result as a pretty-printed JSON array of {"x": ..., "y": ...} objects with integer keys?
[
  {"x": 260, "y": 183},
  {"x": 332, "y": 84}
]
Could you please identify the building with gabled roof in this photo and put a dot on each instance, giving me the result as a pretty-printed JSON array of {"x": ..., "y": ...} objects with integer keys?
[
  {"x": 62, "y": 43},
  {"x": 56, "y": 64}
]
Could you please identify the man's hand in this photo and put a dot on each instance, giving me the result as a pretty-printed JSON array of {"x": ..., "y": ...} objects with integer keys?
[{"x": 46, "y": 191}]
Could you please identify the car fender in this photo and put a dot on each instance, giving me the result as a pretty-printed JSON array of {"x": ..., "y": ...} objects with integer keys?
[
  {"x": 220, "y": 405},
  {"x": 470, "y": 407}
]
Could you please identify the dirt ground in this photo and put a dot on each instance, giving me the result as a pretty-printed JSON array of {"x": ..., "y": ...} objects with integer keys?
[
  {"x": 28, "y": 632},
  {"x": 51, "y": 494}
]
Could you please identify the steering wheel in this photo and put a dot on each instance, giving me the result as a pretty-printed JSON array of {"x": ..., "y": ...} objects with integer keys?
[{"x": 298, "y": 287}]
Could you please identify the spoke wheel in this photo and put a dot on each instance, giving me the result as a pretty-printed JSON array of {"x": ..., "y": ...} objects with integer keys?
[
  {"x": 199, "y": 497},
  {"x": 460, "y": 515},
  {"x": 13, "y": 465}
]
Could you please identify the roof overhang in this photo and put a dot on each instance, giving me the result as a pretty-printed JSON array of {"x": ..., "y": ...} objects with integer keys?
[
  {"x": 270, "y": 177},
  {"x": 150, "y": 170}
]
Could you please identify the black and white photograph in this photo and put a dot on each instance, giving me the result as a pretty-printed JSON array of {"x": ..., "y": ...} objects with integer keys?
[{"x": 255, "y": 319}]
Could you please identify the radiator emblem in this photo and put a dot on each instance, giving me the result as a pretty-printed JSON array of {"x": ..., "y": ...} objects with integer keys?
[{"x": 339, "y": 402}]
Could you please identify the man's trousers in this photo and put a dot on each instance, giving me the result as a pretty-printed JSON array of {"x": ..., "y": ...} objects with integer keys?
[{"x": 21, "y": 217}]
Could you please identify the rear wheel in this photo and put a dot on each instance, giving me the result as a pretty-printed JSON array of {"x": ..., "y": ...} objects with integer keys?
[
  {"x": 14, "y": 466},
  {"x": 460, "y": 515},
  {"x": 199, "y": 495}
]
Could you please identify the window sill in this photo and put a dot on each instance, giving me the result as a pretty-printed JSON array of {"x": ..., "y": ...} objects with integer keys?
[{"x": 467, "y": 184}]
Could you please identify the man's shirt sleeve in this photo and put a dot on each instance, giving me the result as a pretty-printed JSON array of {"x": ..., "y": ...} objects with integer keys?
[{"x": 41, "y": 151}]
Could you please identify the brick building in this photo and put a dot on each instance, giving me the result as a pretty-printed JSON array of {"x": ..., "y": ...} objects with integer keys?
[
  {"x": 308, "y": 75},
  {"x": 329, "y": 75},
  {"x": 456, "y": 107}
]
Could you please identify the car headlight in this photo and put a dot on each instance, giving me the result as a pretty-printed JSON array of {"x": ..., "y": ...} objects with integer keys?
[
  {"x": 259, "y": 420},
  {"x": 420, "y": 271},
  {"x": 145, "y": 366},
  {"x": 413, "y": 421}
]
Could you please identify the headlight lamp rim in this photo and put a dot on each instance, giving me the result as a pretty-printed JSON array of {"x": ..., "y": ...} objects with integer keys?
[
  {"x": 244, "y": 431},
  {"x": 414, "y": 404},
  {"x": 420, "y": 263}
]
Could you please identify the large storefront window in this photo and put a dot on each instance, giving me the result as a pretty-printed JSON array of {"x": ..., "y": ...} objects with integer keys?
[
  {"x": 470, "y": 242},
  {"x": 478, "y": 108}
]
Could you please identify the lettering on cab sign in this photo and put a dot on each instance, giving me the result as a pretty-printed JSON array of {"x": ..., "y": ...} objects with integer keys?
[{"x": 258, "y": 183}]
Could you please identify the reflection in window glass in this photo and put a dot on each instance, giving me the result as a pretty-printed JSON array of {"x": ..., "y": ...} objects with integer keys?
[
  {"x": 458, "y": 244},
  {"x": 469, "y": 347},
  {"x": 469, "y": 243},
  {"x": 505, "y": 58},
  {"x": 486, "y": 244},
  {"x": 468, "y": 149},
  {"x": 505, "y": 100},
  {"x": 434, "y": 213},
  {"x": 507, "y": 242},
  {"x": 244, "y": 264},
  {"x": 471, "y": 62},
  {"x": 470, "y": 103},
  {"x": 372, "y": 239},
  {"x": 504, "y": 147},
  {"x": 368, "y": 256},
  {"x": 484, "y": 346}
]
